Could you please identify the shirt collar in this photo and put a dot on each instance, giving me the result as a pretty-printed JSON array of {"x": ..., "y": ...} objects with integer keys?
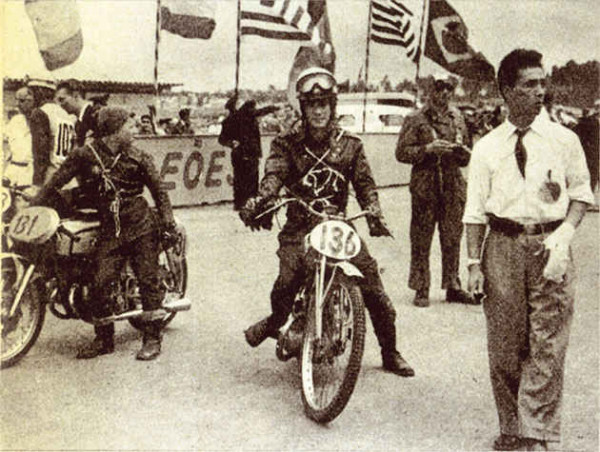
[{"x": 537, "y": 126}]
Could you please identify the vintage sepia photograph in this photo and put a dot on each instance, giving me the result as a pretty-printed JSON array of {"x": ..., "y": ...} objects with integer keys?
[{"x": 300, "y": 225}]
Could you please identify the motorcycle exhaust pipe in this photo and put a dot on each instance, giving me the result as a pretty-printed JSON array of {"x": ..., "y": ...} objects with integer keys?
[{"x": 181, "y": 304}]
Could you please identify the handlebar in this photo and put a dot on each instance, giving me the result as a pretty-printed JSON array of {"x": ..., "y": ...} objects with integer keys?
[
  {"x": 287, "y": 200},
  {"x": 18, "y": 190}
]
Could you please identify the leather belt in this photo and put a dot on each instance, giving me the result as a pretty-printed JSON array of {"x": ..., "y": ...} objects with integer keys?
[
  {"x": 512, "y": 228},
  {"x": 20, "y": 164}
]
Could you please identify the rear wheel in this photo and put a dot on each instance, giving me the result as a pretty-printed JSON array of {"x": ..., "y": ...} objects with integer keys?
[
  {"x": 20, "y": 330},
  {"x": 330, "y": 365}
]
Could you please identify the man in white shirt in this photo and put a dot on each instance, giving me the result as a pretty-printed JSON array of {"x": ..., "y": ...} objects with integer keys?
[
  {"x": 19, "y": 155},
  {"x": 528, "y": 182}
]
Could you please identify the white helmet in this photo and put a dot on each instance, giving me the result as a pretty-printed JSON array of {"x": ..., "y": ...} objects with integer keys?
[{"x": 315, "y": 83}]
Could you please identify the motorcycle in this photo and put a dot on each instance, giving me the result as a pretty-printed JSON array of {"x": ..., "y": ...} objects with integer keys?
[
  {"x": 48, "y": 261},
  {"x": 325, "y": 330}
]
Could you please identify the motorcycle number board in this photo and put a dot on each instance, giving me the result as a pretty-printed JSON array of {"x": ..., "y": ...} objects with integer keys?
[
  {"x": 335, "y": 239},
  {"x": 34, "y": 225}
]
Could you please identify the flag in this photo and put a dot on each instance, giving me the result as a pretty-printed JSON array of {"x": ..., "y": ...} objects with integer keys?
[
  {"x": 295, "y": 20},
  {"x": 57, "y": 29},
  {"x": 319, "y": 53},
  {"x": 392, "y": 23},
  {"x": 192, "y": 19},
  {"x": 446, "y": 43}
]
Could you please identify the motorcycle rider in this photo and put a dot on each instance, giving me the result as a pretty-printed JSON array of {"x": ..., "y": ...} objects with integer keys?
[
  {"x": 128, "y": 229},
  {"x": 317, "y": 160}
]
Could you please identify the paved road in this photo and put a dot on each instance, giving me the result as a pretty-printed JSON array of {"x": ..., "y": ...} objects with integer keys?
[{"x": 209, "y": 391}]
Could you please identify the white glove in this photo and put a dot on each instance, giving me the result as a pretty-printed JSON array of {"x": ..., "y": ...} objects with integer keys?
[{"x": 558, "y": 244}]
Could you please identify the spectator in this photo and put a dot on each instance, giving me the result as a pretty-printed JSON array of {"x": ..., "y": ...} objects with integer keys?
[
  {"x": 432, "y": 141},
  {"x": 587, "y": 129},
  {"x": 18, "y": 152},
  {"x": 241, "y": 133},
  {"x": 146, "y": 127},
  {"x": 183, "y": 126}
]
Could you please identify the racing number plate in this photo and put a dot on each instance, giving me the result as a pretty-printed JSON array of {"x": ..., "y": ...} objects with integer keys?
[
  {"x": 34, "y": 225},
  {"x": 335, "y": 239}
]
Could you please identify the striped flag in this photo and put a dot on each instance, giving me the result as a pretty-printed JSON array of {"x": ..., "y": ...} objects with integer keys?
[
  {"x": 191, "y": 19},
  {"x": 283, "y": 19},
  {"x": 57, "y": 29},
  {"x": 392, "y": 24}
]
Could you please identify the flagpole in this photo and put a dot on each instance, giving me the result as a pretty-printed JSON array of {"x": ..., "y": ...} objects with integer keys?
[
  {"x": 157, "y": 43},
  {"x": 238, "y": 46},
  {"x": 364, "y": 122},
  {"x": 421, "y": 46}
]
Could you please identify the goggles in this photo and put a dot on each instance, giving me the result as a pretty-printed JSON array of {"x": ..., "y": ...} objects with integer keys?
[{"x": 310, "y": 83}]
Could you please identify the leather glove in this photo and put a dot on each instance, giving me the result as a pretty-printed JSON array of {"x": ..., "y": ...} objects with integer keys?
[
  {"x": 251, "y": 210},
  {"x": 557, "y": 245},
  {"x": 378, "y": 227},
  {"x": 169, "y": 236}
]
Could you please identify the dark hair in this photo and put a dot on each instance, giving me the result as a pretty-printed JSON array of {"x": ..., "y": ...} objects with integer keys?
[
  {"x": 72, "y": 86},
  {"x": 184, "y": 113},
  {"x": 148, "y": 117},
  {"x": 512, "y": 63}
]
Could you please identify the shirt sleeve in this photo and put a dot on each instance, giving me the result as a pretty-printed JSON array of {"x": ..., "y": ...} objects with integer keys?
[
  {"x": 577, "y": 174},
  {"x": 478, "y": 188}
]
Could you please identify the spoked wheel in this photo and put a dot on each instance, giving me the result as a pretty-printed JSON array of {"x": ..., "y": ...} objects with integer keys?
[
  {"x": 20, "y": 330},
  {"x": 330, "y": 365},
  {"x": 175, "y": 283}
]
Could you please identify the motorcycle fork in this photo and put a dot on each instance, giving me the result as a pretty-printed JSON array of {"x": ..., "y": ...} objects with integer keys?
[
  {"x": 321, "y": 291},
  {"x": 22, "y": 286}
]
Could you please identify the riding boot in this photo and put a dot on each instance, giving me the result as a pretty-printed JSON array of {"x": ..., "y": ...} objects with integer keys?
[
  {"x": 151, "y": 341},
  {"x": 103, "y": 343},
  {"x": 261, "y": 330},
  {"x": 385, "y": 330}
]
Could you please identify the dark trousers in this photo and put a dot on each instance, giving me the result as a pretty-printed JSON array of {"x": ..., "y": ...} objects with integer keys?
[
  {"x": 143, "y": 257},
  {"x": 245, "y": 178},
  {"x": 426, "y": 212},
  {"x": 292, "y": 273}
]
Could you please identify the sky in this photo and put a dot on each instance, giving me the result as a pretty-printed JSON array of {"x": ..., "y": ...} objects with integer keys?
[{"x": 119, "y": 41}]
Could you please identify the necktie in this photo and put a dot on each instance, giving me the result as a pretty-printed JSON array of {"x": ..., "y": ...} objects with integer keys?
[{"x": 520, "y": 151}]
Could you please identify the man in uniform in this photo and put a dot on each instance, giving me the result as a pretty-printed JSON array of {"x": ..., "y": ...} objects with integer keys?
[
  {"x": 317, "y": 160},
  {"x": 127, "y": 224},
  {"x": 529, "y": 183},
  {"x": 433, "y": 141}
]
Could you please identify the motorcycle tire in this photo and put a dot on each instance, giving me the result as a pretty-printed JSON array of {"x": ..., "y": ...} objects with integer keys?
[
  {"x": 18, "y": 332},
  {"x": 180, "y": 290},
  {"x": 330, "y": 367}
]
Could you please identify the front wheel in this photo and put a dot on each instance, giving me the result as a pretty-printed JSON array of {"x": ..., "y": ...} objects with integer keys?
[
  {"x": 330, "y": 365},
  {"x": 20, "y": 330}
]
